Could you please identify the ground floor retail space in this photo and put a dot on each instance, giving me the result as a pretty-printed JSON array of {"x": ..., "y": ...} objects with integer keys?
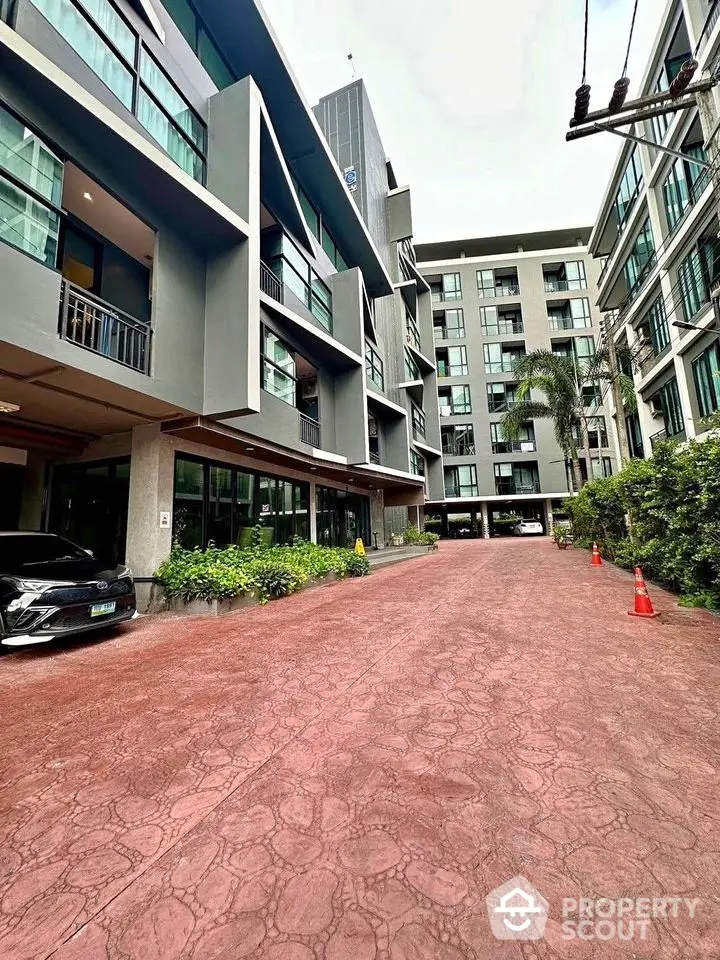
[
  {"x": 491, "y": 518},
  {"x": 130, "y": 496}
]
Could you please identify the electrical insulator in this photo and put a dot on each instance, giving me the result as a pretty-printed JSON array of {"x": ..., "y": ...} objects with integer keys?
[
  {"x": 682, "y": 80},
  {"x": 582, "y": 103},
  {"x": 618, "y": 96}
]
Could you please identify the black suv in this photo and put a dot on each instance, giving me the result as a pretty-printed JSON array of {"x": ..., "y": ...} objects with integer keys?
[{"x": 50, "y": 587}]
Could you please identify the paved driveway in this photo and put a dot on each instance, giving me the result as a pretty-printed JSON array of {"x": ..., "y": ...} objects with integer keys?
[{"x": 349, "y": 772}]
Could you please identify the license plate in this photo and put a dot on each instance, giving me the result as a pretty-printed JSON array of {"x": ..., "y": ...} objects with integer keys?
[{"x": 102, "y": 609}]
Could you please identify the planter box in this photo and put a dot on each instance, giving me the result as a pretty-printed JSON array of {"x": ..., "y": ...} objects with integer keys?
[{"x": 220, "y": 608}]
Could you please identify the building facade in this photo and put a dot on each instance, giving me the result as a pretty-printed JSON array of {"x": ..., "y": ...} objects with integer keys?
[
  {"x": 656, "y": 237},
  {"x": 189, "y": 290},
  {"x": 400, "y": 359},
  {"x": 494, "y": 300}
]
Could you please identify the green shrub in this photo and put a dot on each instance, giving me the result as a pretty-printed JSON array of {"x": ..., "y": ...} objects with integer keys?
[
  {"x": 672, "y": 503},
  {"x": 420, "y": 538},
  {"x": 267, "y": 571}
]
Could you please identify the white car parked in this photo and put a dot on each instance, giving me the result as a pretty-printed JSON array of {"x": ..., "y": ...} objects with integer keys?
[{"x": 527, "y": 528}]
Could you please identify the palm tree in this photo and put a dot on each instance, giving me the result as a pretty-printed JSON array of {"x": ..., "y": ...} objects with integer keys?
[{"x": 561, "y": 380}]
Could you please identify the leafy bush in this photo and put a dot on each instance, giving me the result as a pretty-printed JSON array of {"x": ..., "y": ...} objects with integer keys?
[
  {"x": 215, "y": 574},
  {"x": 420, "y": 538},
  {"x": 357, "y": 566},
  {"x": 672, "y": 504}
]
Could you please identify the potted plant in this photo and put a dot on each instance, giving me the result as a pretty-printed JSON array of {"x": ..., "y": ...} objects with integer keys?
[{"x": 561, "y": 535}]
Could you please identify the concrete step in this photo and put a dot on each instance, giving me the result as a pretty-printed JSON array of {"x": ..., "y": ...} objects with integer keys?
[{"x": 383, "y": 558}]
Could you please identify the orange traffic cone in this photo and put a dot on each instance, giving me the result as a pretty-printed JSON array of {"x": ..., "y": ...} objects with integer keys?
[
  {"x": 596, "y": 558},
  {"x": 643, "y": 603}
]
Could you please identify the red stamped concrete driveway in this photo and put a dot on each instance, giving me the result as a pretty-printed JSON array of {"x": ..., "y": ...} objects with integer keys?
[{"x": 346, "y": 774}]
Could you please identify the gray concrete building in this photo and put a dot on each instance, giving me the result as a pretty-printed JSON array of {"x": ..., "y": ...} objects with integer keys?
[
  {"x": 401, "y": 372},
  {"x": 495, "y": 299},
  {"x": 656, "y": 237},
  {"x": 189, "y": 290}
]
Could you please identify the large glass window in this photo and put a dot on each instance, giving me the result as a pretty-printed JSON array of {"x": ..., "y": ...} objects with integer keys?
[
  {"x": 643, "y": 252},
  {"x": 193, "y": 29},
  {"x": 461, "y": 481},
  {"x": 449, "y": 325},
  {"x": 342, "y": 517},
  {"x": 451, "y": 286},
  {"x": 501, "y": 397},
  {"x": 28, "y": 225},
  {"x": 499, "y": 359},
  {"x": 694, "y": 275},
  {"x": 630, "y": 186},
  {"x": 412, "y": 371},
  {"x": 286, "y": 261},
  {"x": 706, "y": 375},
  {"x": 90, "y": 45},
  {"x": 26, "y": 158},
  {"x": 279, "y": 368},
  {"x": 374, "y": 367},
  {"x": 669, "y": 399},
  {"x": 219, "y": 504},
  {"x": 496, "y": 322},
  {"x": 454, "y": 400},
  {"x": 676, "y": 193},
  {"x": 658, "y": 325},
  {"x": 570, "y": 314},
  {"x": 175, "y": 105},
  {"x": 418, "y": 423}
]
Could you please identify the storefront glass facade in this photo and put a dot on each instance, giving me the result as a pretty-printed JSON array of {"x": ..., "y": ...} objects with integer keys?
[{"x": 342, "y": 517}]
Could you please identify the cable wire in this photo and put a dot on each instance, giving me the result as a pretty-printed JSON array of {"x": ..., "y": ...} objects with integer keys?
[
  {"x": 632, "y": 30},
  {"x": 585, "y": 42}
]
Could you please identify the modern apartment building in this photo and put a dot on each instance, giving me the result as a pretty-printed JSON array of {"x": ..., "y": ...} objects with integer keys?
[
  {"x": 400, "y": 357},
  {"x": 188, "y": 290},
  {"x": 494, "y": 300},
  {"x": 657, "y": 237}
]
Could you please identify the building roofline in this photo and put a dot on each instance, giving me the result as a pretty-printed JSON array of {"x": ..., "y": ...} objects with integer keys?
[{"x": 476, "y": 247}]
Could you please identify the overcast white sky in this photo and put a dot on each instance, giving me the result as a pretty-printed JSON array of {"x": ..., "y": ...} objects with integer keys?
[{"x": 472, "y": 98}]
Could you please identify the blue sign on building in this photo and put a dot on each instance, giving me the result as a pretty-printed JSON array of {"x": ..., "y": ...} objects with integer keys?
[{"x": 351, "y": 178}]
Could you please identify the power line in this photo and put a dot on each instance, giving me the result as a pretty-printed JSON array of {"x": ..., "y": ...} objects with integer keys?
[
  {"x": 632, "y": 30},
  {"x": 585, "y": 43}
]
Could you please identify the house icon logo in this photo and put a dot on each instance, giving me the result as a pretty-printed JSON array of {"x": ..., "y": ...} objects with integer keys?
[{"x": 517, "y": 911}]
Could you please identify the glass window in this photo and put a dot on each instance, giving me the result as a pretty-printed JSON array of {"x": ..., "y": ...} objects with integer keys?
[
  {"x": 486, "y": 283},
  {"x": 210, "y": 58},
  {"x": 27, "y": 158},
  {"x": 706, "y": 375},
  {"x": 693, "y": 284},
  {"x": 658, "y": 325},
  {"x": 457, "y": 361},
  {"x": 454, "y": 324},
  {"x": 244, "y": 507},
  {"x": 461, "y": 481},
  {"x": 220, "y": 506},
  {"x": 312, "y": 217},
  {"x": 374, "y": 367},
  {"x": 418, "y": 422},
  {"x": 630, "y": 186},
  {"x": 412, "y": 371},
  {"x": 584, "y": 347},
  {"x": 89, "y": 45},
  {"x": 412, "y": 330},
  {"x": 159, "y": 126},
  {"x": 113, "y": 26},
  {"x": 28, "y": 225},
  {"x": 676, "y": 193},
  {"x": 575, "y": 275},
  {"x": 669, "y": 399},
  {"x": 643, "y": 252},
  {"x": 279, "y": 371},
  {"x": 189, "y": 503},
  {"x": 451, "y": 286},
  {"x": 417, "y": 464},
  {"x": 169, "y": 98},
  {"x": 459, "y": 397}
]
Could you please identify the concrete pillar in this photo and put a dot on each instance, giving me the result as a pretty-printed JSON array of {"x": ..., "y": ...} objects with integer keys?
[
  {"x": 377, "y": 518},
  {"x": 548, "y": 516},
  {"x": 485, "y": 521},
  {"x": 150, "y": 504},
  {"x": 313, "y": 512},
  {"x": 33, "y": 493}
]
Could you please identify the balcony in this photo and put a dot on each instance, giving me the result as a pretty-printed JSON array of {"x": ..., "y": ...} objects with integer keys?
[
  {"x": 506, "y": 365},
  {"x": 501, "y": 405},
  {"x": 519, "y": 446},
  {"x": 270, "y": 284},
  {"x": 95, "y": 325},
  {"x": 561, "y": 286},
  {"x": 510, "y": 487},
  {"x": 458, "y": 449},
  {"x": 309, "y": 430},
  {"x": 454, "y": 492},
  {"x": 445, "y": 296},
  {"x": 504, "y": 327}
]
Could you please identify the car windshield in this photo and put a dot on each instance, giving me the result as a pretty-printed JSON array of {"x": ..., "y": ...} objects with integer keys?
[{"x": 24, "y": 553}]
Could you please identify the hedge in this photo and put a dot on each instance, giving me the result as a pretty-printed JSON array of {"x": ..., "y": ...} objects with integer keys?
[
  {"x": 216, "y": 574},
  {"x": 672, "y": 505}
]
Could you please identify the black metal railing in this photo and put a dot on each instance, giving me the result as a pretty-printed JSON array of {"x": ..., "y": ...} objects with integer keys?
[
  {"x": 513, "y": 446},
  {"x": 658, "y": 437},
  {"x": 458, "y": 449},
  {"x": 270, "y": 283},
  {"x": 713, "y": 15},
  {"x": 508, "y": 487},
  {"x": 374, "y": 456},
  {"x": 502, "y": 328},
  {"x": 560, "y": 286},
  {"x": 309, "y": 430},
  {"x": 95, "y": 325}
]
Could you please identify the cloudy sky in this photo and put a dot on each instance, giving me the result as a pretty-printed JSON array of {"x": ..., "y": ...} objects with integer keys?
[{"x": 472, "y": 98}]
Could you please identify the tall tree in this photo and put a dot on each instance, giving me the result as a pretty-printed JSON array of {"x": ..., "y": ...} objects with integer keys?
[{"x": 568, "y": 386}]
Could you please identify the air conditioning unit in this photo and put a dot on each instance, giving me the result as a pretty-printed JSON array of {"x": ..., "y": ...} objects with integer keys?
[
  {"x": 309, "y": 388},
  {"x": 655, "y": 408}
]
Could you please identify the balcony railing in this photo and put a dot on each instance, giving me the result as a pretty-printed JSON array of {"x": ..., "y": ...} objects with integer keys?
[
  {"x": 658, "y": 437},
  {"x": 560, "y": 286},
  {"x": 506, "y": 365},
  {"x": 513, "y": 487},
  {"x": 454, "y": 492},
  {"x": 502, "y": 327},
  {"x": 90, "y": 322},
  {"x": 374, "y": 456},
  {"x": 458, "y": 449},
  {"x": 713, "y": 15},
  {"x": 448, "y": 410},
  {"x": 309, "y": 430},
  {"x": 270, "y": 283},
  {"x": 449, "y": 370},
  {"x": 514, "y": 446},
  {"x": 449, "y": 333},
  {"x": 506, "y": 290},
  {"x": 566, "y": 323},
  {"x": 442, "y": 296},
  {"x": 501, "y": 406}
]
